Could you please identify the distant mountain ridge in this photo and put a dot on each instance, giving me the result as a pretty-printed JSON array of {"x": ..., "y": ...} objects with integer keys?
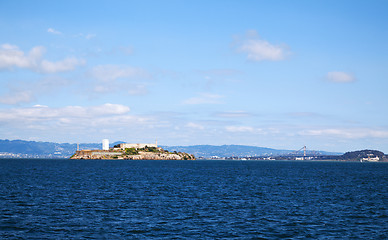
[
  {"x": 22, "y": 148},
  {"x": 207, "y": 151}
]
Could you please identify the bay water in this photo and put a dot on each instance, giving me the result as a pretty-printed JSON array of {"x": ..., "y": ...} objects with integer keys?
[{"x": 120, "y": 199}]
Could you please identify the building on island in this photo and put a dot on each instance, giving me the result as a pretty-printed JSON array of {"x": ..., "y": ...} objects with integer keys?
[
  {"x": 123, "y": 146},
  {"x": 131, "y": 151},
  {"x": 105, "y": 144},
  {"x": 137, "y": 145}
]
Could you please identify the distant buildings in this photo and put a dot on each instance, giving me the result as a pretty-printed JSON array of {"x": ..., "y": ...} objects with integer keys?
[
  {"x": 137, "y": 145},
  {"x": 123, "y": 146}
]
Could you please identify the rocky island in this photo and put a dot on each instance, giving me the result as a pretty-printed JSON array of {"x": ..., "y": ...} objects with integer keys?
[{"x": 126, "y": 151}]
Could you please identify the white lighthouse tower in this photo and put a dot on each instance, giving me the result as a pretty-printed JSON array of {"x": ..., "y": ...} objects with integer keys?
[{"x": 105, "y": 144}]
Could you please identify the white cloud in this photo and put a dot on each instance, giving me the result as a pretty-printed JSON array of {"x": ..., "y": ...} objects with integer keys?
[
  {"x": 204, "y": 98},
  {"x": 108, "y": 109},
  {"x": 258, "y": 49},
  {"x": 44, "y": 114},
  {"x": 340, "y": 77},
  {"x": 76, "y": 123},
  {"x": 53, "y": 31},
  {"x": 348, "y": 133},
  {"x": 90, "y": 123},
  {"x": 11, "y": 56},
  {"x": 67, "y": 64}
]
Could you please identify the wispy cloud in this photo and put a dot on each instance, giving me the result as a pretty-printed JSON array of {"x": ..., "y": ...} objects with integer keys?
[
  {"x": 90, "y": 36},
  {"x": 127, "y": 50},
  {"x": 87, "y": 36},
  {"x": 349, "y": 133},
  {"x": 233, "y": 114},
  {"x": 44, "y": 114},
  {"x": 220, "y": 72},
  {"x": 65, "y": 65},
  {"x": 112, "y": 78},
  {"x": 53, "y": 31},
  {"x": 109, "y": 73},
  {"x": 195, "y": 126},
  {"x": 17, "y": 97},
  {"x": 26, "y": 91},
  {"x": 304, "y": 115},
  {"x": 204, "y": 98},
  {"x": 138, "y": 89},
  {"x": 340, "y": 77},
  {"x": 11, "y": 56},
  {"x": 258, "y": 49},
  {"x": 243, "y": 129}
]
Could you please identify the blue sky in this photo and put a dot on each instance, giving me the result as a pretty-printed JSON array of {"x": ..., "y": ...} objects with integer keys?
[{"x": 280, "y": 74}]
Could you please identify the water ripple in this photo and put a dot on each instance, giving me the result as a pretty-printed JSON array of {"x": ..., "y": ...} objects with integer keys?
[{"x": 65, "y": 199}]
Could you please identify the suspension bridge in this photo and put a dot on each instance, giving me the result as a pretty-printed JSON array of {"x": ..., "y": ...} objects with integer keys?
[{"x": 304, "y": 154}]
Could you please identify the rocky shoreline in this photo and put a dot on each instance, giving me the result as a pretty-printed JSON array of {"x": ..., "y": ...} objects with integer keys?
[{"x": 133, "y": 154}]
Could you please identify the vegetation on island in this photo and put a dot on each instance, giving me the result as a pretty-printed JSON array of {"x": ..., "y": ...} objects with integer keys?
[
  {"x": 146, "y": 153},
  {"x": 131, "y": 151}
]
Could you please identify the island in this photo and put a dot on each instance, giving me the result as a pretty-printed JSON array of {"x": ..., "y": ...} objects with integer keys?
[
  {"x": 365, "y": 156},
  {"x": 129, "y": 151}
]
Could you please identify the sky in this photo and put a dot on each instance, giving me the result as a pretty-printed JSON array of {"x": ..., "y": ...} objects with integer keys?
[{"x": 278, "y": 74}]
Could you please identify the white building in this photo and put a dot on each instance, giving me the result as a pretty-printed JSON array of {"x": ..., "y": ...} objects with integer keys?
[
  {"x": 371, "y": 159},
  {"x": 105, "y": 144},
  {"x": 137, "y": 145}
]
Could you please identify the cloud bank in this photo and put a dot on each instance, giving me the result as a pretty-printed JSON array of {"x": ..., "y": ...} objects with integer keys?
[
  {"x": 39, "y": 112},
  {"x": 44, "y": 117}
]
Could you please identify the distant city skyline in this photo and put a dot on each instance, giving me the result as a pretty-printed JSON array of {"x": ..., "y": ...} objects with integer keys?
[{"x": 277, "y": 74}]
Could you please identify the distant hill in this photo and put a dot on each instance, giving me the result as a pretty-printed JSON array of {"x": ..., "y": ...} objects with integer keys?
[
  {"x": 359, "y": 155},
  {"x": 21, "y": 148},
  {"x": 207, "y": 151}
]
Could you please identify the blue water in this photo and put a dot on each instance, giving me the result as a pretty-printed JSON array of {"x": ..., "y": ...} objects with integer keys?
[{"x": 97, "y": 199}]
